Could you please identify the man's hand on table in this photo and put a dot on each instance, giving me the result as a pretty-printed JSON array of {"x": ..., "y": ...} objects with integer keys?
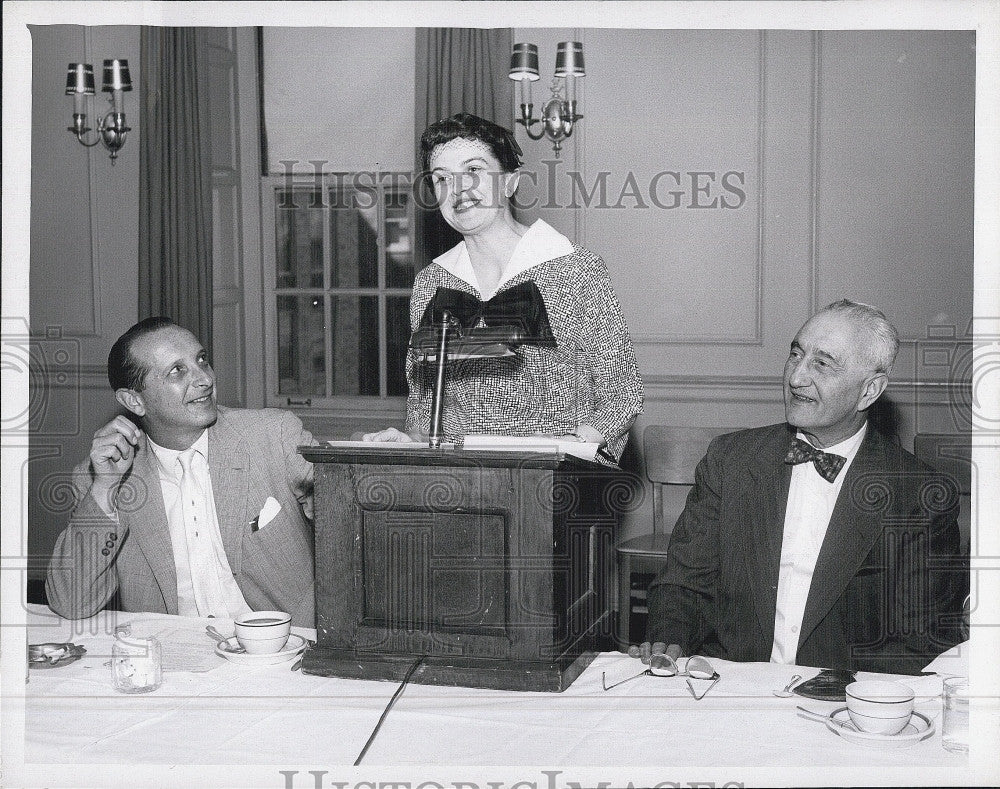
[{"x": 658, "y": 656}]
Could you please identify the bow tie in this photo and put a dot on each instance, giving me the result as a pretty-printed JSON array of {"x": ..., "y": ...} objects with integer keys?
[
  {"x": 521, "y": 307},
  {"x": 827, "y": 464}
]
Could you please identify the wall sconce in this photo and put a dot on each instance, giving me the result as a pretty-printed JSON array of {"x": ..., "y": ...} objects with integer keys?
[
  {"x": 111, "y": 129},
  {"x": 559, "y": 112}
]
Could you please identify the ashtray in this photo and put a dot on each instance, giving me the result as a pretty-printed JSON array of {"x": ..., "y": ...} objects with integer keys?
[{"x": 54, "y": 655}]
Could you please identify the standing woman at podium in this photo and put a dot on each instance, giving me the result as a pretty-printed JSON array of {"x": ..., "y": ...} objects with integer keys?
[{"x": 575, "y": 375}]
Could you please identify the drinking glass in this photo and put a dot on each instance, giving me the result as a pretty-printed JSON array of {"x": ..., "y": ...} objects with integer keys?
[
  {"x": 955, "y": 726},
  {"x": 136, "y": 664}
]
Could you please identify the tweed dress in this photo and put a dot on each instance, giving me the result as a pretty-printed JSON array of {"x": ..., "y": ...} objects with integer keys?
[{"x": 590, "y": 378}]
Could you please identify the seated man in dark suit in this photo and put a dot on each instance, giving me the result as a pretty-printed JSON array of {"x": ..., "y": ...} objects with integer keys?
[
  {"x": 200, "y": 510},
  {"x": 843, "y": 558}
]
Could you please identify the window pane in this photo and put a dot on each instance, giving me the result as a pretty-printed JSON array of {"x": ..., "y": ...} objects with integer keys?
[
  {"x": 301, "y": 358},
  {"x": 353, "y": 238},
  {"x": 399, "y": 249},
  {"x": 355, "y": 345},
  {"x": 398, "y": 320},
  {"x": 299, "y": 239}
]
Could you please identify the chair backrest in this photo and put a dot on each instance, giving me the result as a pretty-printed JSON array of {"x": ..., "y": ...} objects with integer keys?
[
  {"x": 671, "y": 455},
  {"x": 951, "y": 455}
]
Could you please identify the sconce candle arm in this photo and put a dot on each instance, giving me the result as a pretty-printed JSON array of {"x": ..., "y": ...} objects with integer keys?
[
  {"x": 527, "y": 120},
  {"x": 111, "y": 130},
  {"x": 80, "y": 130}
]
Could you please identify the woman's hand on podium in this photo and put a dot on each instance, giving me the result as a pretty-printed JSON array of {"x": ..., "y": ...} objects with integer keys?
[
  {"x": 585, "y": 433},
  {"x": 389, "y": 434}
]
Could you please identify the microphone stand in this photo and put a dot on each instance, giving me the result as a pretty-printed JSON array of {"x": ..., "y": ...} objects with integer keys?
[{"x": 437, "y": 405}]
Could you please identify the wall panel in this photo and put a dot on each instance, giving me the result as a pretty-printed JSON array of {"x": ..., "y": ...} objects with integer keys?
[
  {"x": 83, "y": 272},
  {"x": 896, "y": 126}
]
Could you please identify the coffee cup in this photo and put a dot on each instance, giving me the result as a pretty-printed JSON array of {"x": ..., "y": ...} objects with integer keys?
[
  {"x": 263, "y": 632},
  {"x": 879, "y": 706}
]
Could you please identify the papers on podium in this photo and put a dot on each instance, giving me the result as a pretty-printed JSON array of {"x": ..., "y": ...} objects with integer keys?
[{"x": 582, "y": 449}]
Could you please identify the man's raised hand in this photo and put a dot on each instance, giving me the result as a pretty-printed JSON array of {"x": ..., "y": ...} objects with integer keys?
[{"x": 111, "y": 454}]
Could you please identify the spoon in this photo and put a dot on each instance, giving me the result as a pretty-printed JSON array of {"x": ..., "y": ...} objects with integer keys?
[
  {"x": 786, "y": 692},
  {"x": 819, "y": 716},
  {"x": 223, "y": 641},
  {"x": 215, "y": 633}
]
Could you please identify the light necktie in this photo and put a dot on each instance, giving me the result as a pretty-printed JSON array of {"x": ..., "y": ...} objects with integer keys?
[
  {"x": 827, "y": 463},
  {"x": 208, "y": 592}
]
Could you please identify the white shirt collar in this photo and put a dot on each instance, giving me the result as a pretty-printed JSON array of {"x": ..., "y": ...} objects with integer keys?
[
  {"x": 167, "y": 458},
  {"x": 540, "y": 243}
]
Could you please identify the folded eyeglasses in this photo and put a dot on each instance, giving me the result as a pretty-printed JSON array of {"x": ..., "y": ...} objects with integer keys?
[{"x": 661, "y": 665}]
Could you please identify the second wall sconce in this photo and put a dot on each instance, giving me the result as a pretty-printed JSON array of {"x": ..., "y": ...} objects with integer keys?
[
  {"x": 559, "y": 112},
  {"x": 112, "y": 128}
]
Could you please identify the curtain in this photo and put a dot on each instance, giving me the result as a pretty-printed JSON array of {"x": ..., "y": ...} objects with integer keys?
[
  {"x": 175, "y": 197},
  {"x": 458, "y": 70}
]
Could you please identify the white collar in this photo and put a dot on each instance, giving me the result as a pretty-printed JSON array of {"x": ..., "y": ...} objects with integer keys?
[
  {"x": 540, "y": 243},
  {"x": 167, "y": 458}
]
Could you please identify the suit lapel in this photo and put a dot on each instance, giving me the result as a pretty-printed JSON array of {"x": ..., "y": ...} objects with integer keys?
[
  {"x": 849, "y": 538},
  {"x": 768, "y": 492},
  {"x": 229, "y": 464},
  {"x": 147, "y": 522}
]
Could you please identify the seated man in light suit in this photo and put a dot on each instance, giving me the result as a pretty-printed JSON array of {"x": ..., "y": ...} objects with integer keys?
[
  {"x": 843, "y": 558},
  {"x": 202, "y": 510}
]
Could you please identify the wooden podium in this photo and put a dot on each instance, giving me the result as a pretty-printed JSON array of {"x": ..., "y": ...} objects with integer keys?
[{"x": 489, "y": 565}]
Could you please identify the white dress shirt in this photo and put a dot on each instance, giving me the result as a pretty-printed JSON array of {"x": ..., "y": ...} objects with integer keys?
[
  {"x": 195, "y": 537},
  {"x": 811, "y": 500}
]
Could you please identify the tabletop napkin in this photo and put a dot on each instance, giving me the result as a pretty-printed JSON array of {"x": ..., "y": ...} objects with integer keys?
[{"x": 953, "y": 663}]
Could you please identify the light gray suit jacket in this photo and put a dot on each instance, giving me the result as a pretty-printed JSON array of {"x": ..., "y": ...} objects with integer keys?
[{"x": 251, "y": 456}]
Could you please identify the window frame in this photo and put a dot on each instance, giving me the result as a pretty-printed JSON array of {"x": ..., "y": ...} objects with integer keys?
[{"x": 382, "y": 404}]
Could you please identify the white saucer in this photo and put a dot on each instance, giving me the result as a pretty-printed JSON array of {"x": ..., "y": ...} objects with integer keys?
[
  {"x": 920, "y": 727},
  {"x": 292, "y": 647}
]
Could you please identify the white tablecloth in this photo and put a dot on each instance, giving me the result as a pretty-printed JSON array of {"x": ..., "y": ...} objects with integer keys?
[{"x": 649, "y": 727}]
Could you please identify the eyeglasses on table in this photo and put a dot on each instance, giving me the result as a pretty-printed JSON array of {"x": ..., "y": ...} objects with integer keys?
[{"x": 665, "y": 666}]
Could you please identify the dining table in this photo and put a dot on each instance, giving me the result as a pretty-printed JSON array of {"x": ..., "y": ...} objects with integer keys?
[{"x": 216, "y": 721}]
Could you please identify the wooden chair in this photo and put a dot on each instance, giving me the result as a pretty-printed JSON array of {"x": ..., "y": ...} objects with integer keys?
[
  {"x": 951, "y": 455},
  {"x": 671, "y": 455}
]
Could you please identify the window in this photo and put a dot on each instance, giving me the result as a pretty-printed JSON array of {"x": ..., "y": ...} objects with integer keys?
[{"x": 339, "y": 268}]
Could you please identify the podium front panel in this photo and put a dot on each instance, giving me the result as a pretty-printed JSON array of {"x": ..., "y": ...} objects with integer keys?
[{"x": 493, "y": 574}]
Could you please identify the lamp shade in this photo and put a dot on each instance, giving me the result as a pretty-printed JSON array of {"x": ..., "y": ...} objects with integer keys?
[
  {"x": 80, "y": 79},
  {"x": 116, "y": 76},
  {"x": 569, "y": 59},
  {"x": 524, "y": 62}
]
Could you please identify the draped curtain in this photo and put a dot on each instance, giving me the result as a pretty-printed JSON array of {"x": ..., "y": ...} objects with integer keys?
[
  {"x": 458, "y": 70},
  {"x": 175, "y": 197}
]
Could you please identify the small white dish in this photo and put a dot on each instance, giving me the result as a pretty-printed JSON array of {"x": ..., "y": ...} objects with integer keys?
[
  {"x": 231, "y": 650},
  {"x": 919, "y": 728}
]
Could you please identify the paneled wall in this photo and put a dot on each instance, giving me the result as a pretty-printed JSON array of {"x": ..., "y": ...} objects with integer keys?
[
  {"x": 84, "y": 250},
  {"x": 83, "y": 273},
  {"x": 788, "y": 168},
  {"x": 735, "y": 181}
]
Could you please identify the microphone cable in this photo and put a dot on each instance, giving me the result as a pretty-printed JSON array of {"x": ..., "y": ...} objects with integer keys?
[{"x": 385, "y": 712}]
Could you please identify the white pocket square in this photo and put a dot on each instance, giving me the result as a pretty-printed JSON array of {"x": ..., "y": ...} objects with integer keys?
[{"x": 268, "y": 511}]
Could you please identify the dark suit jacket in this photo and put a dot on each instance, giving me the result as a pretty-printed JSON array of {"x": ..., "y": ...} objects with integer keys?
[
  {"x": 888, "y": 586},
  {"x": 252, "y": 455}
]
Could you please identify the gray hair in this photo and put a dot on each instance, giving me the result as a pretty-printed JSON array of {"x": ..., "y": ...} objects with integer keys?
[{"x": 881, "y": 352}]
